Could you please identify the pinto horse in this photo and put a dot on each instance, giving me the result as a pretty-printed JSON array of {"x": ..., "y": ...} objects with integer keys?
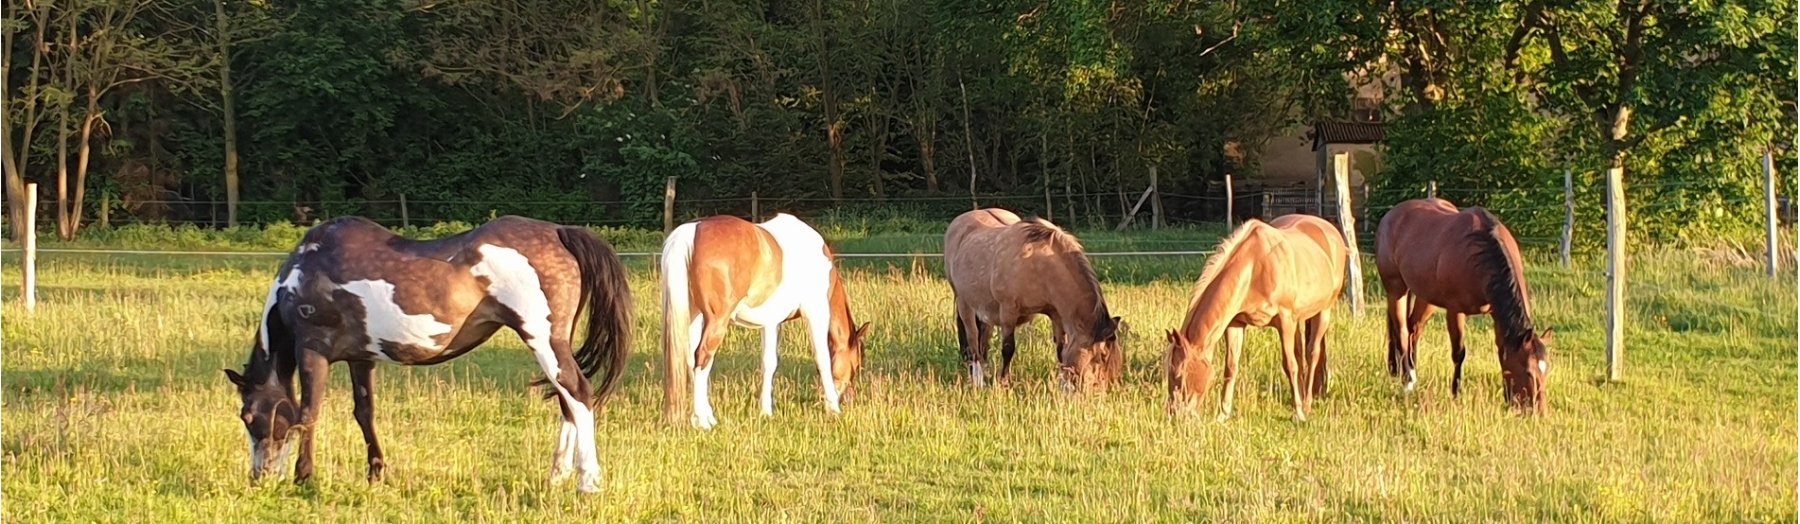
[
  {"x": 722, "y": 270},
  {"x": 353, "y": 291},
  {"x": 1282, "y": 274},
  {"x": 1432, "y": 255},
  {"x": 1004, "y": 270}
]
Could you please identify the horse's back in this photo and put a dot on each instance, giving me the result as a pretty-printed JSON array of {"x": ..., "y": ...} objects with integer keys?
[{"x": 970, "y": 241}]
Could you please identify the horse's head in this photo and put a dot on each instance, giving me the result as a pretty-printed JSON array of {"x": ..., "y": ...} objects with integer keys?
[
  {"x": 270, "y": 415},
  {"x": 1190, "y": 374},
  {"x": 847, "y": 359},
  {"x": 1092, "y": 360},
  {"x": 1525, "y": 366}
]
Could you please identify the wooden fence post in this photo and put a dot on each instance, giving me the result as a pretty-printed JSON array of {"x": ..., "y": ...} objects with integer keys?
[
  {"x": 1615, "y": 272},
  {"x": 1049, "y": 208},
  {"x": 105, "y": 210},
  {"x": 1230, "y": 207},
  {"x": 755, "y": 207},
  {"x": 1568, "y": 232},
  {"x": 669, "y": 207},
  {"x": 405, "y": 220},
  {"x": 1156, "y": 213},
  {"x": 29, "y": 283},
  {"x": 1773, "y": 243},
  {"x": 1431, "y": 190},
  {"x": 1347, "y": 224}
]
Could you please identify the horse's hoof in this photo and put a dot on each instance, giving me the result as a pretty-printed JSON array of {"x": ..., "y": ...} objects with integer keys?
[
  {"x": 590, "y": 483},
  {"x": 1222, "y": 418}
]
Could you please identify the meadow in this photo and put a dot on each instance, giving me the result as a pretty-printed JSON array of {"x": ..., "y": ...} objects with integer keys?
[{"x": 113, "y": 409}]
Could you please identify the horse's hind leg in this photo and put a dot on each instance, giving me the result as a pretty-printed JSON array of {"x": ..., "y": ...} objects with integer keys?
[
  {"x": 549, "y": 342},
  {"x": 1291, "y": 346},
  {"x": 362, "y": 383},
  {"x": 771, "y": 336},
  {"x": 712, "y": 333},
  {"x": 1453, "y": 321},
  {"x": 1315, "y": 343},
  {"x": 1396, "y": 311},
  {"x": 976, "y": 336}
]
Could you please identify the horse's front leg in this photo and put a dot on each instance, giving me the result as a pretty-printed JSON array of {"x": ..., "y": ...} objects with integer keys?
[
  {"x": 1234, "y": 347},
  {"x": 314, "y": 369},
  {"x": 362, "y": 383},
  {"x": 1291, "y": 344},
  {"x": 818, "y": 323},
  {"x": 770, "y": 358}
]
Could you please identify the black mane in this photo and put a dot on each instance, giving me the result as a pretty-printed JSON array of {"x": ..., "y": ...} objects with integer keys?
[{"x": 1506, "y": 287}]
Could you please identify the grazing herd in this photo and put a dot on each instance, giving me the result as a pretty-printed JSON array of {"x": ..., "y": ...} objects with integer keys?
[{"x": 355, "y": 292}]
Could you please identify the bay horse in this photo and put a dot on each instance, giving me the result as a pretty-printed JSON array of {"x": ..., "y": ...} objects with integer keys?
[
  {"x": 1005, "y": 270},
  {"x": 1286, "y": 274},
  {"x": 1432, "y": 255},
  {"x": 721, "y": 270},
  {"x": 353, "y": 291}
]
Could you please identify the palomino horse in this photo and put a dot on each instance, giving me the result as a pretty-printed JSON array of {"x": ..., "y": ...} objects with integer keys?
[
  {"x": 353, "y": 291},
  {"x": 722, "y": 270},
  {"x": 1277, "y": 274},
  {"x": 1467, "y": 263},
  {"x": 1004, "y": 270}
]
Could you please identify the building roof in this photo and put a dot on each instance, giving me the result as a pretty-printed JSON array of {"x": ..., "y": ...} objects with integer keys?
[{"x": 1347, "y": 133}]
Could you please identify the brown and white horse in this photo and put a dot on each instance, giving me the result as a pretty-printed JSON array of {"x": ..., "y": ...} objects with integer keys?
[
  {"x": 353, "y": 291},
  {"x": 1004, "y": 270},
  {"x": 1430, "y": 254},
  {"x": 722, "y": 270},
  {"x": 1282, "y": 274}
]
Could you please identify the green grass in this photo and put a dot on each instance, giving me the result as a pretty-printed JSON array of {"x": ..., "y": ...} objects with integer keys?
[{"x": 114, "y": 409}]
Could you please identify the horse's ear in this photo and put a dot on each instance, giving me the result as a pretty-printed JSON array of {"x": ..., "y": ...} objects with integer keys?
[
  {"x": 234, "y": 377},
  {"x": 1109, "y": 329},
  {"x": 1549, "y": 333},
  {"x": 862, "y": 331}
]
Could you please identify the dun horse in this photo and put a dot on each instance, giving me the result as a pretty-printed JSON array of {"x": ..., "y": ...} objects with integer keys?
[
  {"x": 1277, "y": 274},
  {"x": 1466, "y": 262},
  {"x": 723, "y": 270},
  {"x": 353, "y": 291},
  {"x": 1004, "y": 271}
]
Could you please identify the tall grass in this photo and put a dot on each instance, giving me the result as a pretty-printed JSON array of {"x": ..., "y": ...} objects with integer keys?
[{"x": 115, "y": 410}]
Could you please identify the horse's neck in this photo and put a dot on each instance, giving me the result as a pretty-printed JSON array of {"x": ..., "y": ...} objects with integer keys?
[
  {"x": 1216, "y": 306},
  {"x": 1080, "y": 308}
]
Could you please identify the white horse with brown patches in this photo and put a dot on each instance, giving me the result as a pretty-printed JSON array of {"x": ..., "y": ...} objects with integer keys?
[
  {"x": 722, "y": 270},
  {"x": 354, "y": 292}
]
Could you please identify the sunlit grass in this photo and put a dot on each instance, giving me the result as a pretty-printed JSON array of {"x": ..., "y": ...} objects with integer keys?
[{"x": 115, "y": 410}]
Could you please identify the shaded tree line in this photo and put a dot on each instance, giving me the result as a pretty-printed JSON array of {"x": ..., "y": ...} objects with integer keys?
[{"x": 284, "y": 108}]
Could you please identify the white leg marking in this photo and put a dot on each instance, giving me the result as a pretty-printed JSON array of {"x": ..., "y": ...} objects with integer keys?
[
  {"x": 1412, "y": 379},
  {"x": 385, "y": 321},
  {"x": 771, "y": 340},
  {"x": 564, "y": 462},
  {"x": 820, "y": 323},
  {"x": 975, "y": 375},
  {"x": 703, "y": 412}
]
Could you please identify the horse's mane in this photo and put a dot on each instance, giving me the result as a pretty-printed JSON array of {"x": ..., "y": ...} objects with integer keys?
[
  {"x": 1039, "y": 231},
  {"x": 1220, "y": 254},
  {"x": 1506, "y": 287}
]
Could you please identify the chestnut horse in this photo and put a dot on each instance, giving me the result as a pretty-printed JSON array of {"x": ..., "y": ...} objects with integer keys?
[
  {"x": 1004, "y": 271},
  {"x": 1466, "y": 262},
  {"x": 353, "y": 291},
  {"x": 722, "y": 270},
  {"x": 1282, "y": 274}
]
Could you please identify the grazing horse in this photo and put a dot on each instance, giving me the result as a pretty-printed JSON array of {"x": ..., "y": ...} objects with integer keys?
[
  {"x": 1004, "y": 270},
  {"x": 1278, "y": 274},
  {"x": 353, "y": 291},
  {"x": 722, "y": 270},
  {"x": 1431, "y": 254}
]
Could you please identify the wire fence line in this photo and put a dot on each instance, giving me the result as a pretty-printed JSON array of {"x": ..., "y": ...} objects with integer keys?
[{"x": 622, "y": 253}]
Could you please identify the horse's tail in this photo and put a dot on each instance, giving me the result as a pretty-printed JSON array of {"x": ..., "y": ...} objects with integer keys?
[
  {"x": 678, "y": 248},
  {"x": 606, "y": 296}
]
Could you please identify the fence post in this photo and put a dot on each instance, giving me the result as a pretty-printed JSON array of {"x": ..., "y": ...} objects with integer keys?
[
  {"x": 1347, "y": 224},
  {"x": 405, "y": 220},
  {"x": 1268, "y": 205},
  {"x": 1568, "y": 235},
  {"x": 1773, "y": 243},
  {"x": 1049, "y": 209},
  {"x": 669, "y": 206},
  {"x": 1431, "y": 190},
  {"x": 755, "y": 207},
  {"x": 105, "y": 209},
  {"x": 1156, "y": 213},
  {"x": 29, "y": 283},
  {"x": 1615, "y": 272},
  {"x": 1230, "y": 207}
]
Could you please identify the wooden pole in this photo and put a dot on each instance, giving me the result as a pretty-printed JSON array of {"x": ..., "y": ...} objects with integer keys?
[
  {"x": 755, "y": 207},
  {"x": 1049, "y": 208},
  {"x": 405, "y": 219},
  {"x": 1230, "y": 206},
  {"x": 30, "y": 262},
  {"x": 1268, "y": 205},
  {"x": 1156, "y": 213},
  {"x": 1431, "y": 190},
  {"x": 1615, "y": 272},
  {"x": 669, "y": 206},
  {"x": 106, "y": 209},
  {"x": 1347, "y": 223},
  {"x": 1774, "y": 244},
  {"x": 1134, "y": 209},
  {"x": 1568, "y": 232}
]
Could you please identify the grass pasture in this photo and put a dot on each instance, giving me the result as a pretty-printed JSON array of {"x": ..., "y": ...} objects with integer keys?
[{"x": 114, "y": 410}]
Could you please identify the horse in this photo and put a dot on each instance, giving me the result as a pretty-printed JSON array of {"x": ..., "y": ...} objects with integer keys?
[
  {"x": 721, "y": 270},
  {"x": 1003, "y": 271},
  {"x": 1285, "y": 273},
  {"x": 353, "y": 291},
  {"x": 1433, "y": 255}
]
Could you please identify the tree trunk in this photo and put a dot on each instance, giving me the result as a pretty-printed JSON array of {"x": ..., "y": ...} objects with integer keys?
[
  {"x": 81, "y": 165},
  {"x": 15, "y": 168},
  {"x": 62, "y": 147},
  {"x": 230, "y": 114},
  {"x": 827, "y": 96},
  {"x": 928, "y": 156},
  {"x": 876, "y": 184}
]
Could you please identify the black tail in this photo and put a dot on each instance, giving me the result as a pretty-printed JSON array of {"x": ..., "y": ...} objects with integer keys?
[{"x": 606, "y": 296}]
